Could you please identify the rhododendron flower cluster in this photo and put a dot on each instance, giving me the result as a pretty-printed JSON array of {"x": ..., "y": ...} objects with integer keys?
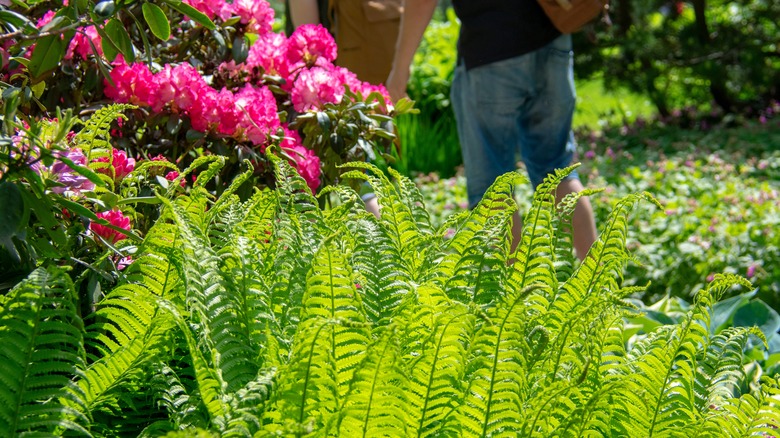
[
  {"x": 258, "y": 16},
  {"x": 120, "y": 164},
  {"x": 245, "y": 109},
  {"x": 115, "y": 218}
]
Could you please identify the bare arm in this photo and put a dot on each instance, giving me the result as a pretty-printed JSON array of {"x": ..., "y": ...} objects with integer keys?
[
  {"x": 417, "y": 15},
  {"x": 304, "y": 12}
]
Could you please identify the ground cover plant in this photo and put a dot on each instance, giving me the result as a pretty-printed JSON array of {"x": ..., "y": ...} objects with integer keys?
[{"x": 272, "y": 316}]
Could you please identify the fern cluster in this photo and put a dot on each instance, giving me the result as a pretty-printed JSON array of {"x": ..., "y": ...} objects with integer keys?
[{"x": 271, "y": 317}]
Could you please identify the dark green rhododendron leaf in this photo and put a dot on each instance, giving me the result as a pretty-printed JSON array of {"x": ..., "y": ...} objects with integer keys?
[
  {"x": 157, "y": 21},
  {"x": 15, "y": 19},
  {"x": 119, "y": 37},
  {"x": 47, "y": 54},
  {"x": 240, "y": 49},
  {"x": 11, "y": 216},
  {"x": 12, "y": 212}
]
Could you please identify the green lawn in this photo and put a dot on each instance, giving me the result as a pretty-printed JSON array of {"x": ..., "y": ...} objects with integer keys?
[{"x": 597, "y": 107}]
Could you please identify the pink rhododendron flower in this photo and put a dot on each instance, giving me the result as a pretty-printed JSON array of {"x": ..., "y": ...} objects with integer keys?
[
  {"x": 258, "y": 15},
  {"x": 258, "y": 114},
  {"x": 80, "y": 44},
  {"x": 307, "y": 163},
  {"x": 178, "y": 87},
  {"x": 204, "y": 114},
  {"x": 228, "y": 113},
  {"x": 212, "y": 8},
  {"x": 70, "y": 180},
  {"x": 120, "y": 162},
  {"x": 133, "y": 83},
  {"x": 270, "y": 53},
  {"x": 315, "y": 87},
  {"x": 172, "y": 175},
  {"x": 115, "y": 218},
  {"x": 310, "y": 42},
  {"x": 46, "y": 19}
]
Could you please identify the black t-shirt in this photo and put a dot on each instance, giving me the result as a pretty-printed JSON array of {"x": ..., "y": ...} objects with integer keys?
[{"x": 494, "y": 30}]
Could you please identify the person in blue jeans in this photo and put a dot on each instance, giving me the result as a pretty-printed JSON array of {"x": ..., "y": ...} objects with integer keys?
[{"x": 513, "y": 91}]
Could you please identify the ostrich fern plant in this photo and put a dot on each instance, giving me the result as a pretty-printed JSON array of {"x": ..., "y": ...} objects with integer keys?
[{"x": 270, "y": 316}]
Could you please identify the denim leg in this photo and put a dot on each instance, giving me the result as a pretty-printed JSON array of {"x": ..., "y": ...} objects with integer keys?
[
  {"x": 547, "y": 140},
  {"x": 518, "y": 107},
  {"x": 486, "y": 101}
]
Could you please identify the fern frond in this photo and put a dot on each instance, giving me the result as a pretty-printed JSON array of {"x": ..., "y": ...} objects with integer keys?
[
  {"x": 499, "y": 197},
  {"x": 750, "y": 415},
  {"x": 298, "y": 230},
  {"x": 331, "y": 295},
  {"x": 171, "y": 386},
  {"x": 380, "y": 272},
  {"x": 478, "y": 272},
  {"x": 376, "y": 402},
  {"x": 129, "y": 334},
  {"x": 248, "y": 404},
  {"x": 413, "y": 198},
  {"x": 497, "y": 372},
  {"x": 43, "y": 349},
  {"x": 215, "y": 307},
  {"x": 208, "y": 381},
  {"x": 535, "y": 262},
  {"x": 611, "y": 244},
  {"x": 95, "y": 133},
  {"x": 307, "y": 394},
  {"x": 395, "y": 216},
  {"x": 564, "y": 260},
  {"x": 663, "y": 367},
  {"x": 721, "y": 367},
  {"x": 435, "y": 355}
]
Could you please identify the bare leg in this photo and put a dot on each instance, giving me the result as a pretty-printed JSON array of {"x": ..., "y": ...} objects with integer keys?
[
  {"x": 583, "y": 222},
  {"x": 372, "y": 206}
]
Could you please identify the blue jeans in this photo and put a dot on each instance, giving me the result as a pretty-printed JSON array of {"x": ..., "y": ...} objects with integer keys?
[{"x": 520, "y": 105}]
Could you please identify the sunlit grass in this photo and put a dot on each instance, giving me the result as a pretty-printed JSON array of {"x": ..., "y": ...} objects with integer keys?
[{"x": 598, "y": 107}]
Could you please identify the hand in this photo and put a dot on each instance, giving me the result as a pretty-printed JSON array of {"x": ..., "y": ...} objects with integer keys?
[{"x": 396, "y": 84}]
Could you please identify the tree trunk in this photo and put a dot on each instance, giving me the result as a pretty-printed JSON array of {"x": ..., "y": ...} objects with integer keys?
[{"x": 717, "y": 80}]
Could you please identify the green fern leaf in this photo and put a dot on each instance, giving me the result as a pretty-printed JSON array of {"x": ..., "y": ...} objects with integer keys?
[
  {"x": 381, "y": 274},
  {"x": 435, "y": 354},
  {"x": 750, "y": 415},
  {"x": 535, "y": 253},
  {"x": 95, "y": 133},
  {"x": 395, "y": 216},
  {"x": 331, "y": 295},
  {"x": 375, "y": 404},
  {"x": 720, "y": 366},
  {"x": 307, "y": 394},
  {"x": 413, "y": 199},
  {"x": 497, "y": 372},
  {"x": 216, "y": 307},
  {"x": 43, "y": 349}
]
